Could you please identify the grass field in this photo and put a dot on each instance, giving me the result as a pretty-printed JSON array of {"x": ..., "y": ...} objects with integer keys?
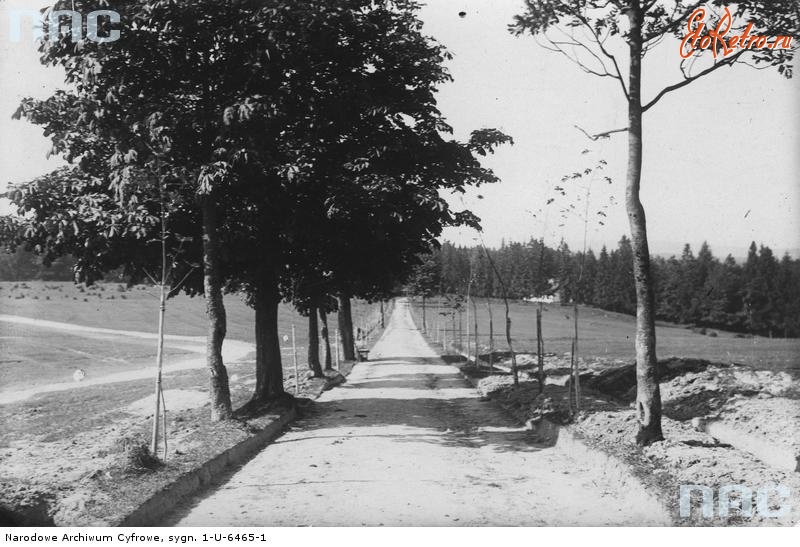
[
  {"x": 31, "y": 356},
  {"x": 609, "y": 335},
  {"x": 112, "y": 306}
]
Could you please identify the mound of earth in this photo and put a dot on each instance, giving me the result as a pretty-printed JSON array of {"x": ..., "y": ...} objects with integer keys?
[{"x": 723, "y": 423}]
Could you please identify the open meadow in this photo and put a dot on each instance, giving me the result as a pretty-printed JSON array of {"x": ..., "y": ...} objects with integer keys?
[
  {"x": 62, "y": 428},
  {"x": 36, "y": 353},
  {"x": 605, "y": 335}
]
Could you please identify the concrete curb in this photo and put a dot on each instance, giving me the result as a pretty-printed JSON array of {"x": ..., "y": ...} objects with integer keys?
[
  {"x": 162, "y": 502},
  {"x": 152, "y": 511}
]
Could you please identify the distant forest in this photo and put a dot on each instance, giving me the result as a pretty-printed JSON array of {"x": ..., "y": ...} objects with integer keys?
[{"x": 760, "y": 296}]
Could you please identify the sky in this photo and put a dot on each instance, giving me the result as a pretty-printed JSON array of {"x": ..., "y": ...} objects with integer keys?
[{"x": 721, "y": 156}]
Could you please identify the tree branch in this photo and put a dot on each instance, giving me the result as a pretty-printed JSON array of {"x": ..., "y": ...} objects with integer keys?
[
  {"x": 725, "y": 62},
  {"x": 671, "y": 27},
  {"x": 605, "y": 52},
  {"x": 603, "y": 135}
]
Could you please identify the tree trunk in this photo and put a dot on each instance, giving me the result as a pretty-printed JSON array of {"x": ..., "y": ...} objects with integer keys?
[
  {"x": 215, "y": 313},
  {"x": 346, "y": 328},
  {"x": 383, "y": 320},
  {"x": 648, "y": 395},
  {"x": 323, "y": 318},
  {"x": 424, "y": 325},
  {"x": 313, "y": 344},
  {"x": 269, "y": 367},
  {"x": 514, "y": 370}
]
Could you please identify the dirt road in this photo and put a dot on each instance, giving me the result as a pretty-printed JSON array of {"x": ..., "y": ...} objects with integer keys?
[
  {"x": 406, "y": 442},
  {"x": 233, "y": 350}
]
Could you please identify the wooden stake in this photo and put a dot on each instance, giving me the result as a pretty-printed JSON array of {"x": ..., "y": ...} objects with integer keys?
[
  {"x": 475, "y": 319},
  {"x": 159, "y": 365},
  {"x": 468, "y": 329},
  {"x": 161, "y": 315},
  {"x": 540, "y": 347},
  {"x": 336, "y": 343},
  {"x": 491, "y": 335},
  {"x": 577, "y": 366},
  {"x": 294, "y": 359}
]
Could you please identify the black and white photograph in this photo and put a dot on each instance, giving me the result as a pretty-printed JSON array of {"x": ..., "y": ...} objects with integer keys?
[{"x": 278, "y": 264}]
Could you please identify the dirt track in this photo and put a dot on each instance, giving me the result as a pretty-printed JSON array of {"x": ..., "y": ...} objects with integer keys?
[
  {"x": 406, "y": 442},
  {"x": 233, "y": 350}
]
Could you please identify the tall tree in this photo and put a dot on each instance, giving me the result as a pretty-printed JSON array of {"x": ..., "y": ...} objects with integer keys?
[
  {"x": 583, "y": 27},
  {"x": 170, "y": 98}
]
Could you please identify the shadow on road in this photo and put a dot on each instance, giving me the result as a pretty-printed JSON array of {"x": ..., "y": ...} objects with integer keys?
[{"x": 420, "y": 400}]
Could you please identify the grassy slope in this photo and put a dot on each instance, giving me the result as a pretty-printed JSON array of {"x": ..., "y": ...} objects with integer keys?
[
  {"x": 32, "y": 356},
  {"x": 610, "y": 335}
]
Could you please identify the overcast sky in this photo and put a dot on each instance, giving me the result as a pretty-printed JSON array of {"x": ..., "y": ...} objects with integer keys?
[{"x": 720, "y": 159}]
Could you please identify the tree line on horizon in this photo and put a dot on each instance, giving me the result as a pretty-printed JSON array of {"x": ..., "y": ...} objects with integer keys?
[{"x": 759, "y": 296}]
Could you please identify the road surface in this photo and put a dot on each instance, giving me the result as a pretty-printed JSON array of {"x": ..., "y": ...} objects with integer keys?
[{"x": 407, "y": 442}]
